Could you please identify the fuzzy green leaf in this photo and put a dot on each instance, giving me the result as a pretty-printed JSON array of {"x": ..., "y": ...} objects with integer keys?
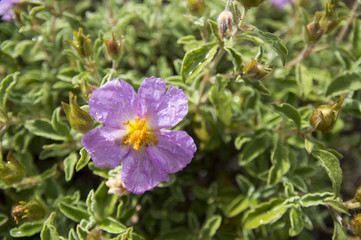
[
  {"x": 265, "y": 213},
  {"x": 296, "y": 222},
  {"x": 195, "y": 60},
  {"x": 210, "y": 227},
  {"x": 6, "y": 85},
  {"x": 332, "y": 166},
  {"x": 280, "y": 161},
  {"x": 236, "y": 59},
  {"x": 315, "y": 199},
  {"x": 27, "y": 229},
  {"x": 344, "y": 84},
  {"x": 3, "y": 219},
  {"x": 253, "y": 149},
  {"x": 214, "y": 29},
  {"x": 111, "y": 225},
  {"x": 236, "y": 206},
  {"x": 83, "y": 161},
  {"x": 69, "y": 165},
  {"x": 43, "y": 128},
  {"x": 49, "y": 231},
  {"x": 72, "y": 212},
  {"x": 290, "y": 112}
]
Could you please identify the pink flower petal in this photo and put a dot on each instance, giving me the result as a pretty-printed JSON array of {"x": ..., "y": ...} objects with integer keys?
[
  {"x": 114, "y": 103},
  {"x": 161, "y": 111},
  {"x": 174, "y": 150},
  {"x": 139, "y": 173},
  {"x": 105, "y": 146}
]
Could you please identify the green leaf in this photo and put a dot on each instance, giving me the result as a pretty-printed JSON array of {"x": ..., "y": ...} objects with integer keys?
[
  {"x": 339, "y": 232},
  {"x": 344, "y": 84},
  {"x": 315, "y": 199},
  {"x": 254, "y": 149},
  {"x": 49, "y": 172},
  {"x": 69, "y": 165},
  {"x": 304, "y": 80},
  {"x": 49, "y": 231},
  {"x": 6, "y": 85},
  {"x": 222, "y": 101},
  {"x": 111, "y": 225},
  {"x": 296, "y": 222},
  {"x": 258, "y": 85},
  {"x": 290, "y": 112},
  {"x": 3, "y": 219},
  {"x": 265, "y": 213},
  {"x": 210, "y": 227},
  {"x": 236, "y": 59},
  {"x": 281, "y": 164},
  {"x": 337, "y": 205},
  {"x": 58, "y": 126},
  {"x": 195, "y": 60},
  {"x": 72, "y": 235},
  {"x": 332, "y": 166},
  {"x": 308, "y": 145},
  {"x": 83, "y": 161},
  {"x": 236, "y": 206},
  {"x": 27, "y": 229},
  {"x": 43, "y": 128},
  {"x": 193, "y": 222},
  {"x": 272, "y": 39},
  {"x": 240, "y": 140},
  {"x": 103, "y": 204},
  {"x": 72, "y": 212},
  {"x": 214, "y": 29}
]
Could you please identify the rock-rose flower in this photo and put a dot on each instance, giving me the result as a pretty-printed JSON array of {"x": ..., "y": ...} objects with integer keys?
[
  {"x": 5, "y": 9},
  {"x": 281, "y": 3},
  {"x": 133, "y": 132}
]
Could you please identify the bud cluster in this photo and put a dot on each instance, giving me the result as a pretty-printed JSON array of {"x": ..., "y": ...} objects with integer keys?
[
  {"x": 114, "y": 47},
  {"x": 82, "y": 44},
  {"x": 255, "y": 70},
  {"x": 34, "y": 210}
]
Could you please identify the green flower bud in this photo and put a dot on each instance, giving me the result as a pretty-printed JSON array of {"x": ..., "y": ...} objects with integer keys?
[
  {"x": 196, "y": 7},
  {"x": 78, "y": 119},
  {"x": 324, "y": 117},
  {"x": 256, "y": 70},
  {"x": 82, "y": 44},
  {"x": 12, "y": 171},
  {"x": 224, "y": 22},
  {"x": 114, "y": 47},
  {"x": 314, "y": 30},
  {"x": 250, "y": 3},
  {"x": 86, "y": 89},
  {"x": 34, "y": 210},
  {"x": 356, "y": 225}
]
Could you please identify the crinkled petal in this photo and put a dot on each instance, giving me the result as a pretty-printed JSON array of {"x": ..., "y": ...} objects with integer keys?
[
  {"x": 139, "y": 173},
  {"x": 174, "y": 150},
  {"x": 105, "y": 146},
  {"x": 161, "y": 110},
  {"x": 114, "y": 103}
]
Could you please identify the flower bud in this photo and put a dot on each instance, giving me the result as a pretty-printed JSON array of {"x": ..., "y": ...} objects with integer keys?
[
  {"x": 116, "y": 185},
  {"x": 86, "y": 89},
  {"x": 78, "y": 119},
  {"x": 196, "y": 7},
  {"x": 224, "y": 22},
  {"x": 356, "y": 225},
  {"x": 34, "y": 210},
  {"x": 256, "y": 70},
  {"x": 114, "y": 47},
  {"x": 12, "y": 171},
  {"x": 82, "y": 44},
  {"x": 250, "y": 3},
  {"x": 324, "y": 117},
  {"x": 314, "y": 30}
]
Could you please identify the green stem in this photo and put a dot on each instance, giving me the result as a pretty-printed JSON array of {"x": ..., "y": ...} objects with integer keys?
[{"x": 244, "y": 14}]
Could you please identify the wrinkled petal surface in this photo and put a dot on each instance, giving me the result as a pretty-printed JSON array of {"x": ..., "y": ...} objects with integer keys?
[
  {"x": 114, "y": 103},
  {"x": 281, "y": 3},
  {"x": 161, "y": 110},
  {"x": 139, "y": 173},
  {"x": 105, "y": 146},
  {"x": 174, "y": 150}
]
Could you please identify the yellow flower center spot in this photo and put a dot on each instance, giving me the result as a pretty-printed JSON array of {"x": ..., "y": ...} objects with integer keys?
[{"x": 139, "y": 134}]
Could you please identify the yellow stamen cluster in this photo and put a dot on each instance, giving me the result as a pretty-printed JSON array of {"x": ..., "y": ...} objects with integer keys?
[{"x": 139, "y": 134}]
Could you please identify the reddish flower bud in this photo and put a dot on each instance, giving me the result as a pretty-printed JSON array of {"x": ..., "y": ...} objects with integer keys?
[
  {"x": 114, "y": 47},
  {"x": 256, "y": 70},
  {"x": 196, "y": 7},
  {"x": 250, "y": 3},
  {"x": 224, "y": 22}
]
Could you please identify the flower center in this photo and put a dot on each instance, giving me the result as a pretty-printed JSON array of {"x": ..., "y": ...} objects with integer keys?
[{"x": 138, "y": 134}]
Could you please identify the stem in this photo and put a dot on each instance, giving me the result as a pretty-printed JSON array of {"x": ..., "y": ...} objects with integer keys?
[
  {"x": 244, "y": 14},
  {"x": 299, "y": 57},
  {"x": 227, "y": 6},
  {"x": 349, "y": 22},
  {"x": 114, "y": 65}
]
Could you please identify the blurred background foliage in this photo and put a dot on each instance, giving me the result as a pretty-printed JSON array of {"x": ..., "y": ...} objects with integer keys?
[{"x": 262, "y": 170}]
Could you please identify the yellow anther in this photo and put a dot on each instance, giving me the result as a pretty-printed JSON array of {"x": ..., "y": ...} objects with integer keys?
[{"x": 139, "y": 134}]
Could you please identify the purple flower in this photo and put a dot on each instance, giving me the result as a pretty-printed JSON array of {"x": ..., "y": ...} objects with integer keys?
[
  {"x": 133, "y": 132},
  {"x": 281, "y": 3},
  {"x": 5, "y": 9}
]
